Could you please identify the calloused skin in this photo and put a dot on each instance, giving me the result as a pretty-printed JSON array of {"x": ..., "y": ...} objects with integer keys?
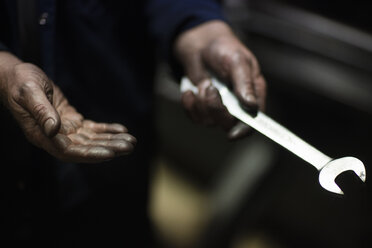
[
  {"x": 51, "y": 123},
  {"x": 213, "y": 47}
]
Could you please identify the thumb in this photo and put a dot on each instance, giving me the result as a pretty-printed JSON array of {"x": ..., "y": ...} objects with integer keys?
[{"x": 35, "y": 101}]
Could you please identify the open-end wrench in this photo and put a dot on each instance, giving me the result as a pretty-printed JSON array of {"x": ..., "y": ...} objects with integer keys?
[{"x": 329, "y": 168}]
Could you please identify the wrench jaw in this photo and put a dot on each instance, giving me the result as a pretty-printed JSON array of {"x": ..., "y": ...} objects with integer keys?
[
  {"x": 335, "y": 167},
  {"x": 285, "y": 138}
]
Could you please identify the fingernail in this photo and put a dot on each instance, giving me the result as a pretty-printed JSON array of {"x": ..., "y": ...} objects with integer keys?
[
  {"x": 132, "y": 140},
  {"x": 49, "y": 126},
  {"x": 211, "y": 90},
  {"x": 250, "y": 99}
]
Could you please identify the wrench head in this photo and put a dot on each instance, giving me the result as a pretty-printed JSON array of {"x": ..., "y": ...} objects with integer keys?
[{"x": 335, "y": 167}]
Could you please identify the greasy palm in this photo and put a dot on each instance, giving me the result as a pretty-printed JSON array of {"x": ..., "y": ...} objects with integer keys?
[{"x": 51, "y": 123}]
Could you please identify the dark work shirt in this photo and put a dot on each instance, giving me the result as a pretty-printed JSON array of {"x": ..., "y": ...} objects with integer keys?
[
  {"x": 101, "y": 53},
  {"x": 104, "y": 50}
]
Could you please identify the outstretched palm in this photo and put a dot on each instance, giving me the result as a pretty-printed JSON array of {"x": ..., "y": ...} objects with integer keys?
[{"x": 51, "y": 123}]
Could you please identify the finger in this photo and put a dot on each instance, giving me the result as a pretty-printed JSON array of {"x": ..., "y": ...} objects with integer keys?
[
  {"x": 243, "y": 84},
  {"x": 107, "y": 136},
  {"x": 217, "y": 110},
  {"x": 104, "y": 127},
  {"x": 119, "y": 146},
  {"x": 261, "y": 88},
  {"x": 189, "y": 103},
  {"x": 88, "y": 154},
  {"x": 68, "y": 151},
  {"x": 202, "y": 101},
  {"x": 34, "y": 99},
  {"x": 194, "y": 68},
  {"x": 240, "y": 130},
  {"x": 121, "y": 136},
  {"x": 100, "y": 139}
]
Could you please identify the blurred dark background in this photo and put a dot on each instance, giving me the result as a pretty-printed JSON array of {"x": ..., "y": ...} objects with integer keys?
[{"x": 317, "y": 59}]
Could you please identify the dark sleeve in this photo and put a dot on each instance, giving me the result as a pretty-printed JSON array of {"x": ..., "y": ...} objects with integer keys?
[
  {"x": 168, "y": 18},
  {"x": 4, "y": 25}
]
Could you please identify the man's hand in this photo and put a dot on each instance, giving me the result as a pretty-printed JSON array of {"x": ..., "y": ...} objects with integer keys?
[
  {"x": 212, "y": 47},
  {"x": 51, "y": 123}
]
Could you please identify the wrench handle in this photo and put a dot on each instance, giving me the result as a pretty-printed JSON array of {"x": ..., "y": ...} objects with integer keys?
[{"x": 265, "y": 125}]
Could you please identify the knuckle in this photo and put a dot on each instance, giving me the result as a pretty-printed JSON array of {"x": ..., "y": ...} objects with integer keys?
[
  {"x": 236, "y": 57},
  {"x": 39, "y": 111},
  {"x": 20, "y": 93},
  {"x": 31, "y": 77},
  {"x": 28, "y": 86},
  {"x": 230, "y": 57},
  {"x": 228, "y": 60}
]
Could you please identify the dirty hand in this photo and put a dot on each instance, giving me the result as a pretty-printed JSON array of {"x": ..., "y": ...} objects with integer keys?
[
  {"x": 51, "y": 123},
  {"x": 212, "y": 47}
]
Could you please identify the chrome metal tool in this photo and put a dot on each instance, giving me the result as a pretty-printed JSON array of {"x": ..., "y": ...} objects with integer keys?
[{"x": 329, "y": 168}]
